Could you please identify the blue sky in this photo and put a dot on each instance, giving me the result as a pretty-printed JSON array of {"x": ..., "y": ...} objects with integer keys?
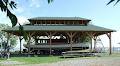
[{"x": 96, "y": 10}]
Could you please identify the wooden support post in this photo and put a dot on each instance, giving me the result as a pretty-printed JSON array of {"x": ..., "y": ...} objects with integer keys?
[
  {"x": 29, "y": 38},
  {"x": 7, "y": 49},
  {"x": 20, "y": 38},
  {"x": 92, "y": 36},
  {"x": 29, "y": 41},
  {"x": 91, "y": 45},
  {"x": 50, "y": 34},
  {"x": 71, "y": 35},
  {"x": 110, "y": 44},
  {"x": 71, "y": 43},
  {"x": 35, "y": 37},
  {"x": 95, "y": 41},
  {"x": 8, "y": 45},
  {"x": 50, "y": 43}
]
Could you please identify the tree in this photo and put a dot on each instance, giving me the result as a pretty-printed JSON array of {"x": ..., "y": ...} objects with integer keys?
[
  {"x": 3, "y": 38},
  {"x": 113, "y": 1},
  {"x": 5, "y": 6}
]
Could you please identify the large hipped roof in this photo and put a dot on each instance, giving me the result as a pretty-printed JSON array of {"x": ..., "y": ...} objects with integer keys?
[{"x": 60, "y": 28}]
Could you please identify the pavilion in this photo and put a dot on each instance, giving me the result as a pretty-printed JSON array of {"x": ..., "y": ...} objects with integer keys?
[{"x": 59, "y": 34}]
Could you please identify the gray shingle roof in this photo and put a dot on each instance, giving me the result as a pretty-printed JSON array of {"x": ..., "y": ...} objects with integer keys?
[
  {"x": 58, "y": 18},
  {"x": 61, "y": 28}
]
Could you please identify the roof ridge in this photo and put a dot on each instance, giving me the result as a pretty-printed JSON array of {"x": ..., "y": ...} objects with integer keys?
[{"x": 58, "y": 18}]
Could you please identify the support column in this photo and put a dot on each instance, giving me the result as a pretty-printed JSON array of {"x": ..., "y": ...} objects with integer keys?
[
  {"x": 95, "y": 38},
  {"x": 50, "y": 43},
  {"x": 50, "y": 34},
  {"x": 92, "y": 36},
  {"x": 8, "y": 44},
  {"x": 91, "y": 45},
  {"x": 20, "y": 38},
  {"x": 71, "y": 35},
  {"x": 7, "y": 47},
  {"x": 29, "y": 39},
  {"x": 110, "y": 44},
  {"x": 35, "y": 39},
  {"x": 71, "y": 41}
]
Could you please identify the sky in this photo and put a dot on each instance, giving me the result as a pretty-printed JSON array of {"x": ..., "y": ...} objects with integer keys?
[
  {"x": 95, "y": 10},
  {"x": 103, "y": 15}
]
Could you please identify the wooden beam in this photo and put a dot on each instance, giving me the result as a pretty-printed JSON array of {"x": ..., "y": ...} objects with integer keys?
[
  {"x": 35, "y": 39},
  {"x": 91, "y": 45},
  {"x": 47, "y": 33},
  {"x": 71, "y": 41},
  {"x": 71, "y": 35},
  {"x": 68, "y": 34},
  {"x": 32, "y": 33},
  {"x": 54, "y": 37},
  {"x": 95, "y": 41},
  {"x": 20, "y": 38},
  {"x": 53, "y": 33},
  {"x": 64, "y": 22},
  {"x": 8, "y": 45},
  {"x": 29, "y": 38},
  {"x": 50, "y": 34},
  {"x": 74, "y": 34},
  {"x": 92, "y": 36},
  {"x": 110, "y": 44}
]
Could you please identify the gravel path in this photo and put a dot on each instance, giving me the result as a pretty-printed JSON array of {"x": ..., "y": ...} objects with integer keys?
[
  {"x": 74, "y": 62},
  {"x": 84, "y": 62}
]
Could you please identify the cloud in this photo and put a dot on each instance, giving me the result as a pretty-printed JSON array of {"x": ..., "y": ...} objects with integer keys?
[
  {"x": 23, "y": 20},
  {"x": 35, "y": 3},
  {"x": 115, "y": 39},
  {"x": 20, "y": 10},
  {"x": 4, "y": 19}
]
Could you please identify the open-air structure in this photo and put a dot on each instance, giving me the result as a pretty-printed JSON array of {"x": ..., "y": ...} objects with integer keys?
[{"x": 56, "y": 34}]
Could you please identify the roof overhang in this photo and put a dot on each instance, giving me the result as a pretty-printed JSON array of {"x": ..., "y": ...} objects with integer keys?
[{"x": 60, "y": 28}]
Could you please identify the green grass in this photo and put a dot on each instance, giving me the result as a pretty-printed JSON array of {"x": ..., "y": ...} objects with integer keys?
[
  {"x": 50, "y": 59},
  {"x": 37, "y": 60},
  {"x": 2, "y": 59}
]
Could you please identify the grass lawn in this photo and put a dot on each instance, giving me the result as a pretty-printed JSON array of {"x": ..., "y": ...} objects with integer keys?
[
  {"x": 50, "y": 59},
  {"x": 37, "y": 60}
]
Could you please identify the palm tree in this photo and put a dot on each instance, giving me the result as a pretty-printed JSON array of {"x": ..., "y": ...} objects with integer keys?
[{"x": 113, "y": 1}]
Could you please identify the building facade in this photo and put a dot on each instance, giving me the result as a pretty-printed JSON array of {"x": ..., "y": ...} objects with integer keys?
[{"x": 53, "y": 35}]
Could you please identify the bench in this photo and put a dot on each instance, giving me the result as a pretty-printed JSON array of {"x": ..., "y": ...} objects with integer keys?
[{"x": 73, "y": 54}]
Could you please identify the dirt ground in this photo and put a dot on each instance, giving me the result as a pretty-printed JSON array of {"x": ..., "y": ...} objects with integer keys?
[{"x": 73, "y": 62}]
